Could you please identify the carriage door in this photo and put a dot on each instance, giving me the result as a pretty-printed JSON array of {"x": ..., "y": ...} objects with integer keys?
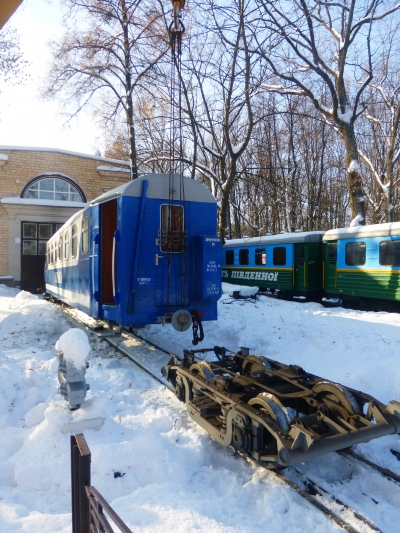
[
  {"x": 94, "y": 250},
  {"x": 108, "y": 253},
  {"x": 300, "y": 280},
  {"x": 330, "y": 267},
  {"x": 171, "y": 258}
]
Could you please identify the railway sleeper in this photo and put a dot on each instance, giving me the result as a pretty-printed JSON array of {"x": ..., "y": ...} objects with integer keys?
[{"x": 279, "y": 414}]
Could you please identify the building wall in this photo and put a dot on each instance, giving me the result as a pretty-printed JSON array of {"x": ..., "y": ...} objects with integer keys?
[{"x": 94, "y": 175}]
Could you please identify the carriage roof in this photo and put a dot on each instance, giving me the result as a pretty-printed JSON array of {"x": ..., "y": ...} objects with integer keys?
[
  {"x": 281, "y": 238},
  {"x": 159, "y": 187},
  {"x": 373, "y": 230}
]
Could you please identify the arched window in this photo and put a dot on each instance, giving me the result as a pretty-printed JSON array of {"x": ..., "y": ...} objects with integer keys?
[{"x": 54, "y": 187}]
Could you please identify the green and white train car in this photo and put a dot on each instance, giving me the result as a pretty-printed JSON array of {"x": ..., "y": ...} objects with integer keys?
[
  {"x": 288, "y": 262},
  {"x": 362, "y": 265}
]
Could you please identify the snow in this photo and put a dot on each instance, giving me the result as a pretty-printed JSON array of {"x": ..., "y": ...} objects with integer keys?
[
  {"x": 346, "y": 117},
  {"x": 236, "y": 149},
  {"x": 16, "y": 200},
  {"x": 157, "y": 468},
  {"x": 112, "y": 169},
  {"x": 371, "y": 230},
  {"x": 75, "y": 347},
  {"x": 297, "y": 236},
  {"x": 354, "y": 166},
  {"x": 3, "y": 157},
  {"x": 60, "y": 151},
  {"x": 357, "y": 221}
]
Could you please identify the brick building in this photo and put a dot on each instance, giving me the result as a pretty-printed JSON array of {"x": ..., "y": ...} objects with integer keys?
[{"x": 40, "y": 189}]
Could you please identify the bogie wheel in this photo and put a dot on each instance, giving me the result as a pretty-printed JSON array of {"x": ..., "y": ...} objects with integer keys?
[
  {"x": 253, "y": 365},
  {"x": 272, "y": 408},
  {"x": 337, "y": 398},
  {"x": 202, "y": 369}
]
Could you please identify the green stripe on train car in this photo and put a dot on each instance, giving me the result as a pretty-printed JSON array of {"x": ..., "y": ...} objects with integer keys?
[{"x": 369, "y": 283}]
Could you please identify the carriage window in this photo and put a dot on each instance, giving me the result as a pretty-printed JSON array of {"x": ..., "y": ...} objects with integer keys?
[
  {"x": 85, "y": 236},
  {"x": 301, "y": 255},
  {"x": 60, "y": 249},
  {"x": 332, "y": 254},
  {"x": 389, "y": 253},
  {"x": 260, "y": 256},
  {"x": 55, "y": 252},
  {"x": 172, "y": 235},
  {"x": 48, "y": 253},
  {"x": 355, "y": 253},
  {"x": 66, "y": 246},
  {"x": 279, "y": 256},
  {"x": 74, "y": 240},
  {"x": 230, "y": 257},
  {"x": 52, "y": 253},
  {"x": 243, "y": 257}
]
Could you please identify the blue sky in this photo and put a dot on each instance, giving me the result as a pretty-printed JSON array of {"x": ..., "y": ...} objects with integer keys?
[{"x": 24, "y": 119}]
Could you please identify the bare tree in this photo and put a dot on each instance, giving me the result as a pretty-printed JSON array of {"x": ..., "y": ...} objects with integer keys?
[
  {"x": 105, "y": 55},
  {"x": 322, "y": 50},
  {"x": 380, "y": 141},
  {"x": 11, "y": 63}
]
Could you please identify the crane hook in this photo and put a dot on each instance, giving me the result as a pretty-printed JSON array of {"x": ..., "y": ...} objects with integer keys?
[{"x": 177, "y": 6}]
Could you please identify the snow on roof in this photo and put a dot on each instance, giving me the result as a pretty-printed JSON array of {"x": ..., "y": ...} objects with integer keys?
[
  {"x": 158, "y": 187},
  {"x": 373, "y": 230},
  {"x": 113, "y": 169},
  {"x": 49, "y": 203},
  {"x": 298, "y": 236},
  {"x": 60, "y": 151}
]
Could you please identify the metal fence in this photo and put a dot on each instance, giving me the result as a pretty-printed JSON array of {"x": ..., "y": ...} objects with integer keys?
[{"x": 88, "y": 505}]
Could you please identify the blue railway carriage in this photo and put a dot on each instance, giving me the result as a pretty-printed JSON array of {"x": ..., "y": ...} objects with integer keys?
[
  {"x": 288, "y": 262},
  {"x": 362, "y": 266},
  {"x": 139, "y": 253}
]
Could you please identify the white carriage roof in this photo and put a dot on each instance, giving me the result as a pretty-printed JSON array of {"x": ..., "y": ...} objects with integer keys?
[
  {"x": 158, "y": 187},
  {"x": 373, "y": 230},
  {"x": 280, "y": 238}
]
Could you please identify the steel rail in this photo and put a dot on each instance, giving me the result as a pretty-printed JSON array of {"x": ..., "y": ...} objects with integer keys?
[
  {"x": 311, "y": 485},
  {"x": 385, "y": 472}
]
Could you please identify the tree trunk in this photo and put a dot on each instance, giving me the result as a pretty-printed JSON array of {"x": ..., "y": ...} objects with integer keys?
[
  {"x": 357, "y": 198},
  {"x": 129, "y": 103}
]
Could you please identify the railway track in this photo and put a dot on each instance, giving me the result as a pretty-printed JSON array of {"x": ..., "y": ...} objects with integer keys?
[{"x": 320, "y": 497}]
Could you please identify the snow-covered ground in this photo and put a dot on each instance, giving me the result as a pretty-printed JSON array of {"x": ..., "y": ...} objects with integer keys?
[{"x": 158, "y": 470}]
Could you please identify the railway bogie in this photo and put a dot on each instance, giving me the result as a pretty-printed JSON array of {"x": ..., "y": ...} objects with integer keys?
[{"x": 276, "y": 413}]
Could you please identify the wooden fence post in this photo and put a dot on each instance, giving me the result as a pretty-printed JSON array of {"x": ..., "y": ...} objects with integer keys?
[{"x": 80, "y": 478}]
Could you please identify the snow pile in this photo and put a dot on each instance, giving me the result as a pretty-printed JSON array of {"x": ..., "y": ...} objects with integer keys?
[
  {"x": 228, "y": 288},
  {"x": 75, "y": 347},
  {"x": 158, "y": 469}
]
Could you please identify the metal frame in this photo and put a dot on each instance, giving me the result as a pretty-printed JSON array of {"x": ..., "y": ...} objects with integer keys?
[{"x": 88, "y": 505}]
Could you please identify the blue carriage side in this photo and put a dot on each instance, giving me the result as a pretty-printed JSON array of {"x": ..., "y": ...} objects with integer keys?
[{"x": 139, "y": 253}]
